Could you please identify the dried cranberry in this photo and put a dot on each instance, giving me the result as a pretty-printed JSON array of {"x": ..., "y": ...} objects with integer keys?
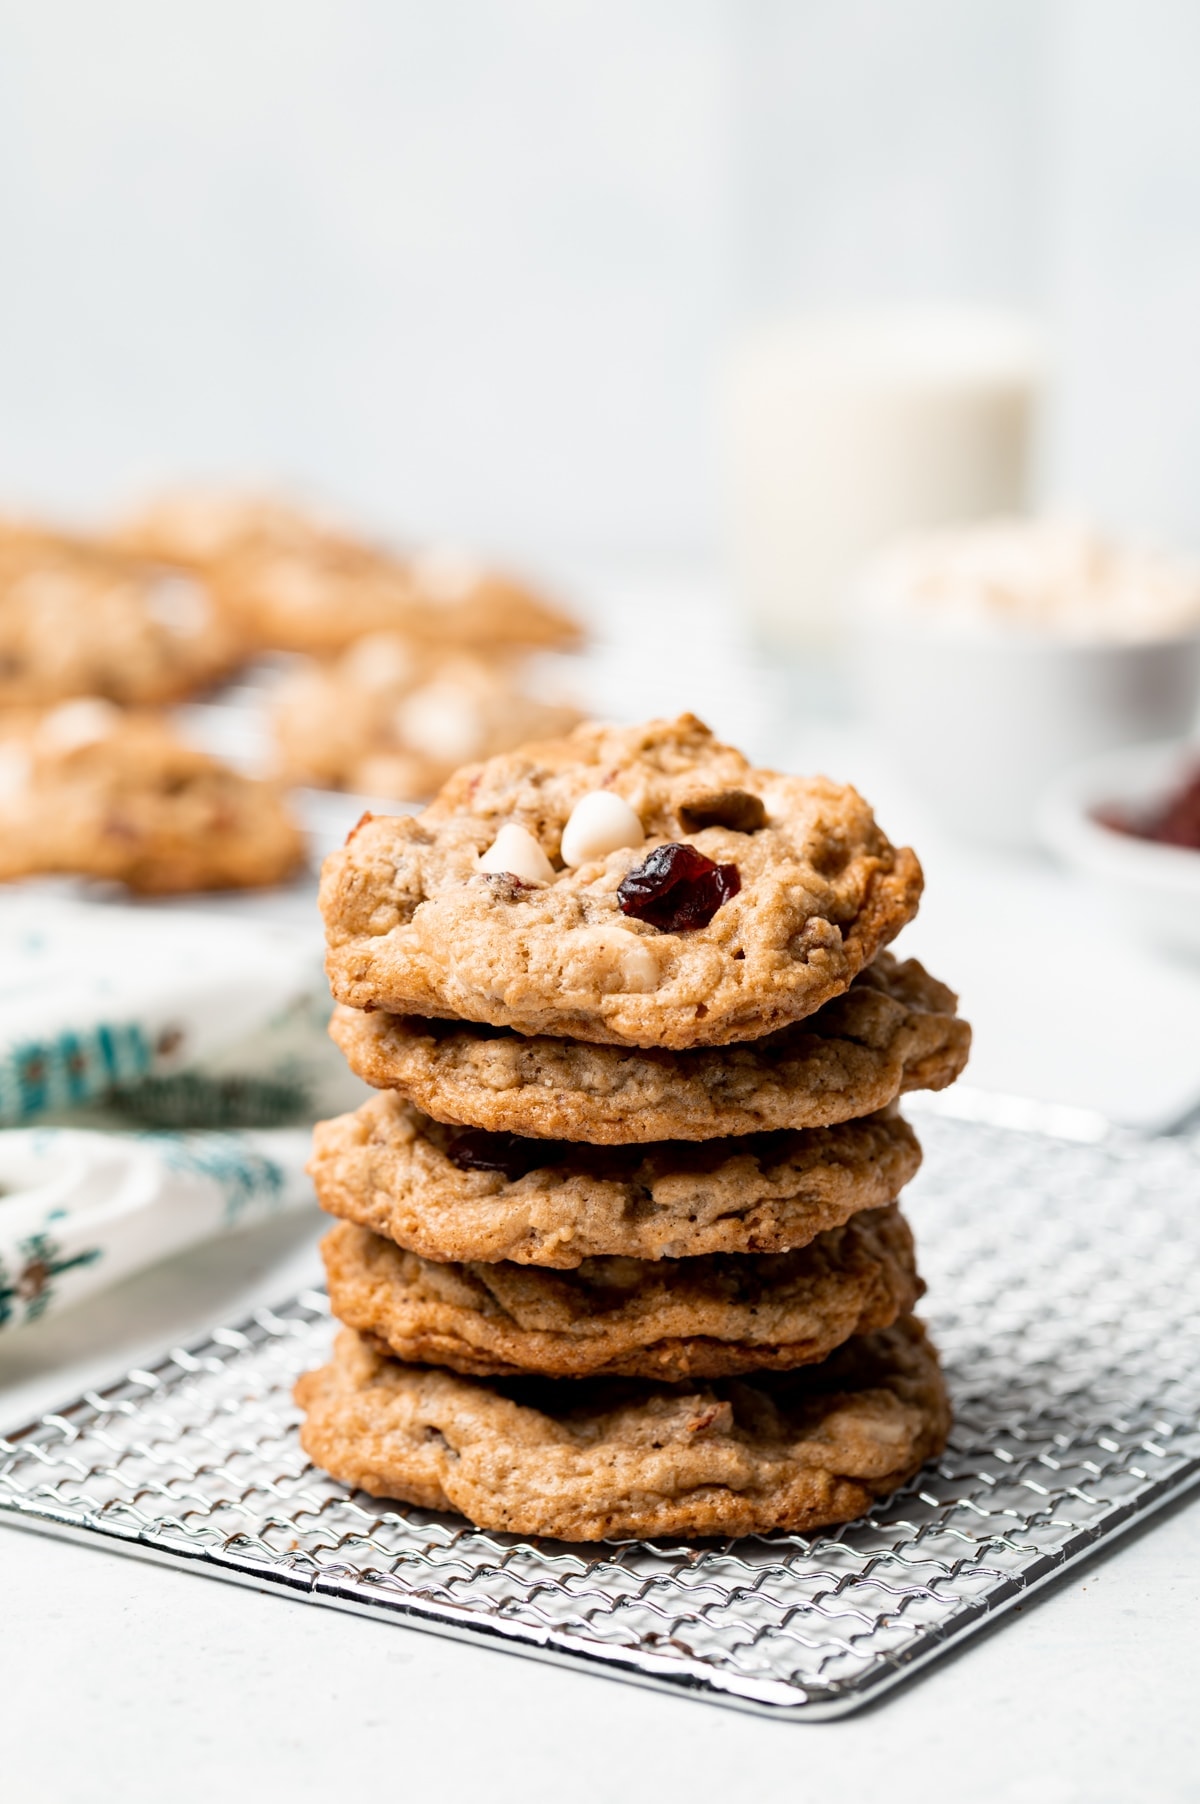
[
  {"x": 1180, "y": 823},
  {"x": 472, "y": 1149},
  {"x": 677, "y": 889},
  {"x": 1175, "y": 822}
]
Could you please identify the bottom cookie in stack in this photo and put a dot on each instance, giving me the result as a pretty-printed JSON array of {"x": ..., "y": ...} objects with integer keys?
[{"x": 586, "y": 1460}]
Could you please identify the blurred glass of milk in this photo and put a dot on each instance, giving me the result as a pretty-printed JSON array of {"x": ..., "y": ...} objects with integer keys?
[{"x": 844, "y": 430}]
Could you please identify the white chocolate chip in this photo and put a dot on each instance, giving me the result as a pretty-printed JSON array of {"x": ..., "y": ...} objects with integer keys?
[
  {"x": 380, "y": 661},
  {"x": 16, "y": 768},
  {"x": 442, "y": 721},
  {"x": 77, "y": 723},
  {"x": 446, "y": 574},
  {"x": 294, "y": 583},
  {"x": 618, "y": 958},
  {"x": 180, "y": 605},
  {"x": 601, "y": 822},
  {"x": 515, "y": 850}
]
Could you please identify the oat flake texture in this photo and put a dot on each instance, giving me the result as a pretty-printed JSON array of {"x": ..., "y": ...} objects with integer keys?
[
  {"x": 413, "y": 927},
  {"x": 585, "y": 1462},
  {"x": 894, "y": 1030},
  {"x": 631, "y": 1317},
  {"x": 386, "y": 1167}
]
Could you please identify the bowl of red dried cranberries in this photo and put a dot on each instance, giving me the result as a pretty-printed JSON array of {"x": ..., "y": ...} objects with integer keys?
[{"x": 1130, "y": 822}]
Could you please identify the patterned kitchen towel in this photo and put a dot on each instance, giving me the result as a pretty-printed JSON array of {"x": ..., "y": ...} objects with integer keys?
[
  {"x": 80, "y": 1209},
  {"x": 175, "y": 1018}
]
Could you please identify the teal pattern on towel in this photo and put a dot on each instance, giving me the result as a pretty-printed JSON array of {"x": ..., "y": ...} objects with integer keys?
[{"x": 38, "y": 1076}]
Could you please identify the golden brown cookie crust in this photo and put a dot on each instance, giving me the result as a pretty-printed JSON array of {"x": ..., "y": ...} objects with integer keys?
[
  {"x": 136, "y": 805},
  {"x": 894, "y": 1030},
  {"x": 389, "y": 1168},
  {"x": 615, "y": 1459},
  {"x": 413, "y": 927},
  {"x": 394, "y": 718},
  {"x": 322, "y": 597},
  {"x": 290, "y": 579},
  {"x": 200, "y": 524},
  {"x": 665, "y": 1319},
  {"x": 297, "y": 582},
  {"x": 77, "y": 618}
]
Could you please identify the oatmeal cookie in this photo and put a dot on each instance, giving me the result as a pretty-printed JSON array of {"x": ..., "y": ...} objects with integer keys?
[
  {"x": 78, "y": 619},
  {"x": 296, "y": 582},
  {"x": 779, "y": 891},
  {"x": 200, "y": 525},
  {"x": 626, "y": 1458},
  {"x": 453, "y": 1194},
  {"x": 89, "y": 790},
  {"x": 652, "y": 1319},
  {"x": 893, "y": 1030},
  {"x": 391, "y": 717}
]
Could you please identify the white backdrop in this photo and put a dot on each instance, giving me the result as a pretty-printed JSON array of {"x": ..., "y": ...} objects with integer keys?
[{"x": 470, "y": 267}]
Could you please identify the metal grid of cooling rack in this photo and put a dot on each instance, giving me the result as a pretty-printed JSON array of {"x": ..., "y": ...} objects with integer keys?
[{"x": 1063, "y": 1279}]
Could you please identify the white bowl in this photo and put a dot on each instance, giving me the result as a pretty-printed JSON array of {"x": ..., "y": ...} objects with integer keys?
[
  {"x": 1155, "y": 887},
  {"x": 979, "y": 721}
]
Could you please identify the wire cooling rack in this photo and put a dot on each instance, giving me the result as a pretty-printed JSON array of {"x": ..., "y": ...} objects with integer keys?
[{"x": 1063, "y": 1282}]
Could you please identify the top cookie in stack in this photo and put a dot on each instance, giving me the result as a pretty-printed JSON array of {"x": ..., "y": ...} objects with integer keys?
[
  {"x": 631, "y": 886},
  {"x": 583, "y": 959}
]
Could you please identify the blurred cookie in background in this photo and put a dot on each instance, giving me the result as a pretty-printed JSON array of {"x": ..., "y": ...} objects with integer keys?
[
  {"x": 285, "y": 574},
  {"x": 293, "y": 581},
  {"x": 201, "y": 525},
  {"x": 88, "y": 790},
  {"x": 462, "y": 602},
  {"x": 394, "y": 717},
  {"x": 78, "y": 617}
]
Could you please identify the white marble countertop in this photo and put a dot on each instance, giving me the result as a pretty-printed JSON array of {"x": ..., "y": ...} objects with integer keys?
[{"x": 120, "y": 1679}]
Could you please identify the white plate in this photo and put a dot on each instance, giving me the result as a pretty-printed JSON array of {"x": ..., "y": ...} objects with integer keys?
[{"x": 1156, "y": 888}]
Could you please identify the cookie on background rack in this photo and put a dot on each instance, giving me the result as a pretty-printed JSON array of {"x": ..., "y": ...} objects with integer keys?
[
  {"x": 78, "y": 618},
  {"x": 666, "y": 1318},
  {"x": 295, "y": 581},
  {"x": 894, "y": 1030},
  {"x": 87, "y": 789},
  {"x": 461, "y": 1195},
  {"x": 791, "y": 1451},
  {"x": 202, "y": 524},
  {"x": 394, "y": 717},
  {"x": 637, "y": 886}
]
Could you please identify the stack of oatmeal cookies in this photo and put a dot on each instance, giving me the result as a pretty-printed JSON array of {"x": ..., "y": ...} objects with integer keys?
[{"x": 618, "y": 1249}]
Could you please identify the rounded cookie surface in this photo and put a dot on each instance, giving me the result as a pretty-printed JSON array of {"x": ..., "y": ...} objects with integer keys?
[
  {"x": 454, "y": 1196},
  {"x": 893, "y": 1030},
  {"x": 291, "y": 579},
  {"x": 660, "y": 1319},
  {"x": 393, "y": 718},
  {"x": 88, "y": 790},
  {"x": 78, "y": 619},
  {"x": 414, "y": 926},
  {"x": 297, "y": 581},
  {"x": 587, "y": 1461}
]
